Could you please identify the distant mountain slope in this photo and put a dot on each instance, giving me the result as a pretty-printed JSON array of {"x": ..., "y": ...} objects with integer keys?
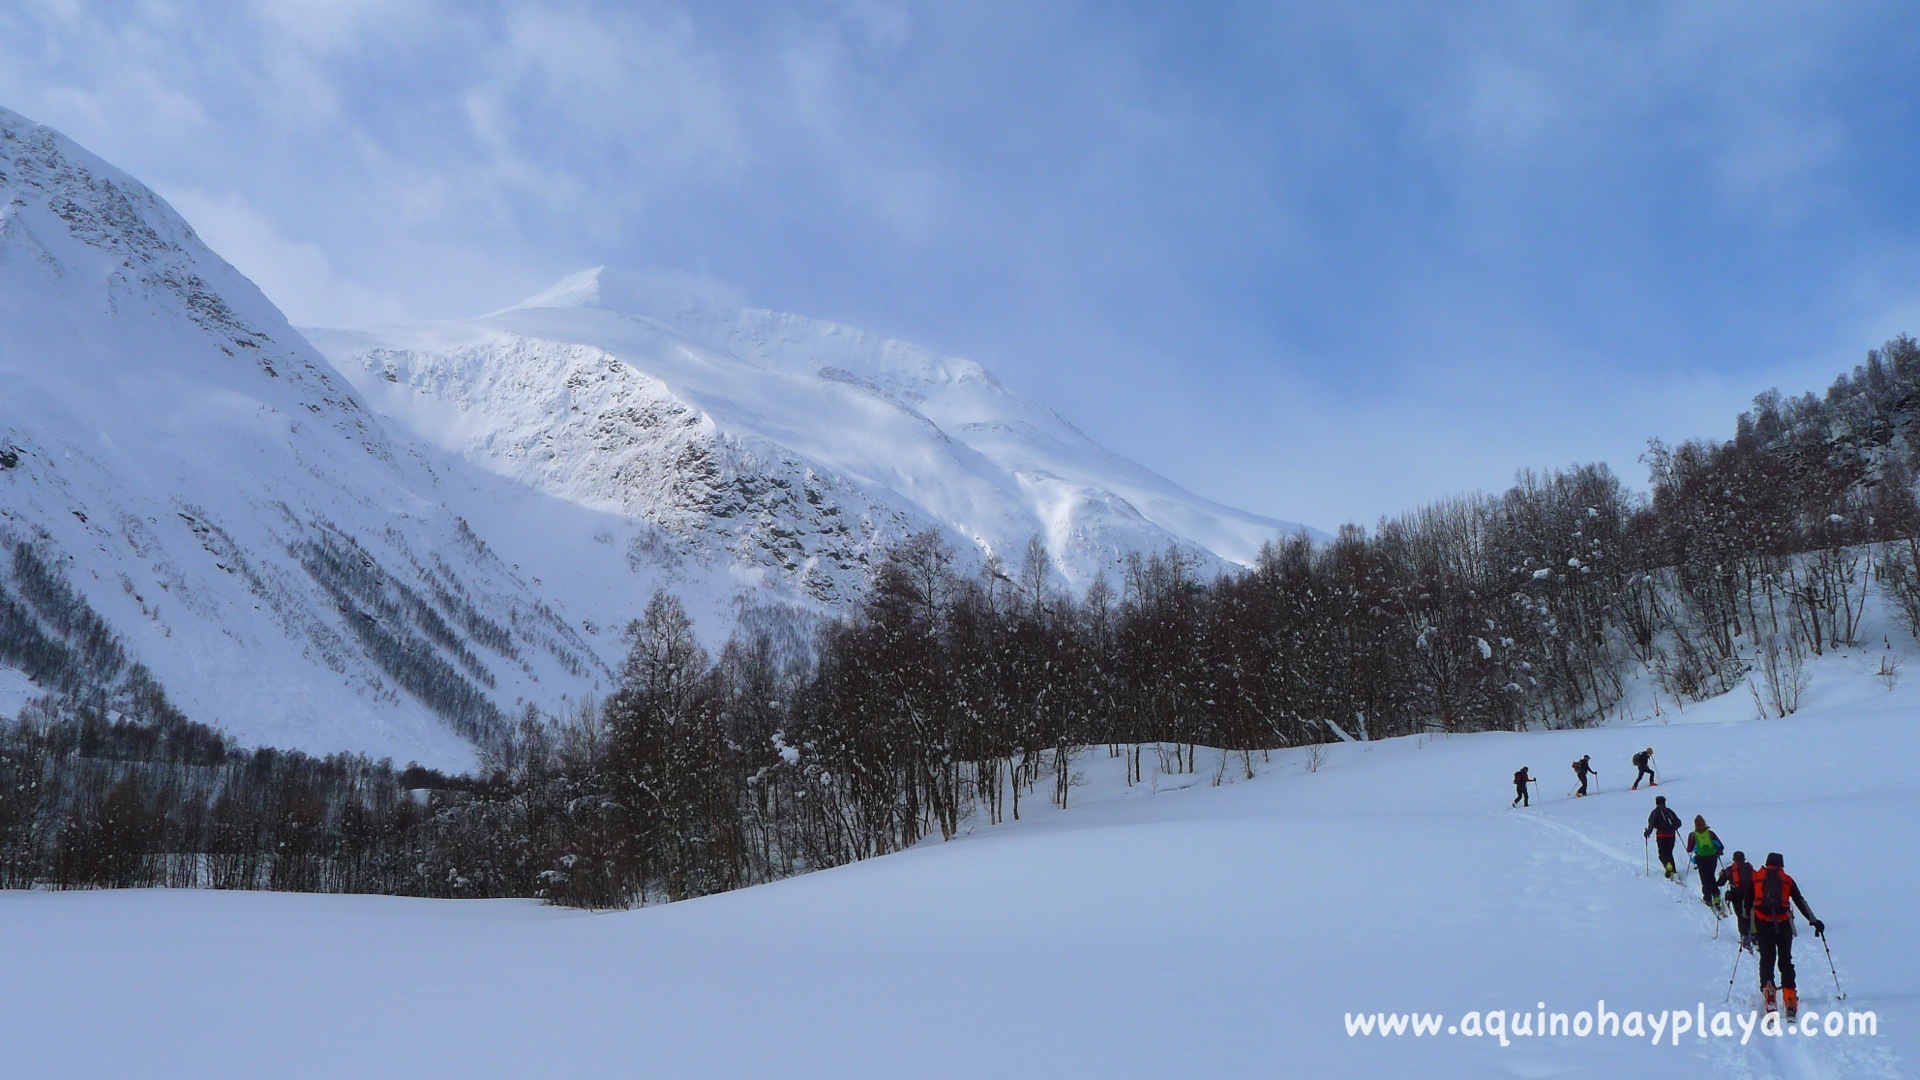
[
  {"x": 185, "y": 462},
  {"x": 794, "y": 447},
  {"x": 198, "y": 512}
]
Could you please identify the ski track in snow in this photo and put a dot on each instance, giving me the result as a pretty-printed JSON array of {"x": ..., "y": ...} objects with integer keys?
[{"x": 1795, "y": 1058}]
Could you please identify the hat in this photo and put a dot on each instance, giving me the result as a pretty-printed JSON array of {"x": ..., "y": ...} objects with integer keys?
[
  {"x": 1774, "y": 859},
  {"x": 1659, "y": 800},
  {"x": 1739, "y": 856}
]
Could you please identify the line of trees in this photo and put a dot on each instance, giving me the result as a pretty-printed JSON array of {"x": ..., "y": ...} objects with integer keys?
[{"x": 954, "y": 693}]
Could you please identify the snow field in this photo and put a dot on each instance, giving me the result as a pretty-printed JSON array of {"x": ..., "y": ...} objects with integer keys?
[{"x": 1209, "y": 931}]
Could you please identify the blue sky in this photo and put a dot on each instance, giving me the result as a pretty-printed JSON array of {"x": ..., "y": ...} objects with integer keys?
[{"x": 1322, "y": 261}]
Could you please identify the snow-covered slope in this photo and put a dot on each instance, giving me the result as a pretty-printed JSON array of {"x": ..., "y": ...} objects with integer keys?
[
  {"x": 183, "y": 476},
  {"x": 1218, "y": 932},
  {"x": 784, "y": 444},
  {"x": 225, "y": 502}
]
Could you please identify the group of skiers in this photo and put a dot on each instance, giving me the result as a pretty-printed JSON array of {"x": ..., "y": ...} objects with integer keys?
[
  {"x": 1582, "y": 769},
  {"x": 1761, "y": 898}
]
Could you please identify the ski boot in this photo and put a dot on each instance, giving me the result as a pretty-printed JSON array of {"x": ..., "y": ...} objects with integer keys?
[
  {"x": 1793, "y": 1003},
  {"x": 1746, "y": 941},
  {"x": 1766, "y": 995}
]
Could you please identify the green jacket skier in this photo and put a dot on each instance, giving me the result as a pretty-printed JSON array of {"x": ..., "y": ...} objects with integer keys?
[{"x": 1705, "y": 847}]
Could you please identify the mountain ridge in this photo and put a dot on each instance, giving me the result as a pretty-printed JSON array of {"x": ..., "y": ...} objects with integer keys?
[
  {"x": 989, "y": 467},
  {"x": 202, "y": 481},
  {"x": 294, "y": 544}
]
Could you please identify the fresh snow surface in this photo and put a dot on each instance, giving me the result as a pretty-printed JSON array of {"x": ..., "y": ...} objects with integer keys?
[
  {"x": 787, "y": 445},
  {"x": 1210, "y": 931}
]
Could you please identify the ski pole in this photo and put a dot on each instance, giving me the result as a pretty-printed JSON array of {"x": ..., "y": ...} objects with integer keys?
[
  {"x": 1646, "y": 860},
  {"x": 1734, "y": 975},
  {"x": 1838, "y": 993}
]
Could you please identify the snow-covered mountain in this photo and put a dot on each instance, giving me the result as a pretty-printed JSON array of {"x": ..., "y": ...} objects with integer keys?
[
  {"x": 793, "y": 448},
  {"x": 194, "y": 501},
  {"x": 187, "y": 485}
]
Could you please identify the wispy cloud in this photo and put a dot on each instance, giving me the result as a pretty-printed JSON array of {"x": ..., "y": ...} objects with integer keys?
[
  {"x": 300, "y": 274},
  {"x": 1323, "y": 261}
]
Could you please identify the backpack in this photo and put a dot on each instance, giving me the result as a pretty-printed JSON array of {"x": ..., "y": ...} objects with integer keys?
[
  {"x": 1707, "y": 846},
  {"x": 1771, "y": 895},
  {"x": 1640, "y": 760},
  {"x": 1520, "y": 777}
]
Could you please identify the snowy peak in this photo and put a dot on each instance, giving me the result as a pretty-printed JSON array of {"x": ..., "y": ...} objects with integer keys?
[
  {"x": 710, "y": 313},
  {"x": 797, "y": 446},
  {"x": 67, "y": 215},
  {"x": 181, "y": 471},
  {"x": 401, "y": 560},
  {"x": 625, "y": 292},
  {"x": 82, "y": 241}
]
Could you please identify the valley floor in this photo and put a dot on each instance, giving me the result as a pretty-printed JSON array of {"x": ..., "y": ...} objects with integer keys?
[{"x": 1219, "y": 931}]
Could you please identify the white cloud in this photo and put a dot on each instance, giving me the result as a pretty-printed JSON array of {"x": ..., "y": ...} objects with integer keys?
[
  {"x": 881, "y": 25},
  {"x": 637, "y": 94},
  {"x": 331, "y": 25},
  {"x": 1322, "y": 188},
  {"x": 296, "y": 275},
  {"x": 845, "y": 130}
]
